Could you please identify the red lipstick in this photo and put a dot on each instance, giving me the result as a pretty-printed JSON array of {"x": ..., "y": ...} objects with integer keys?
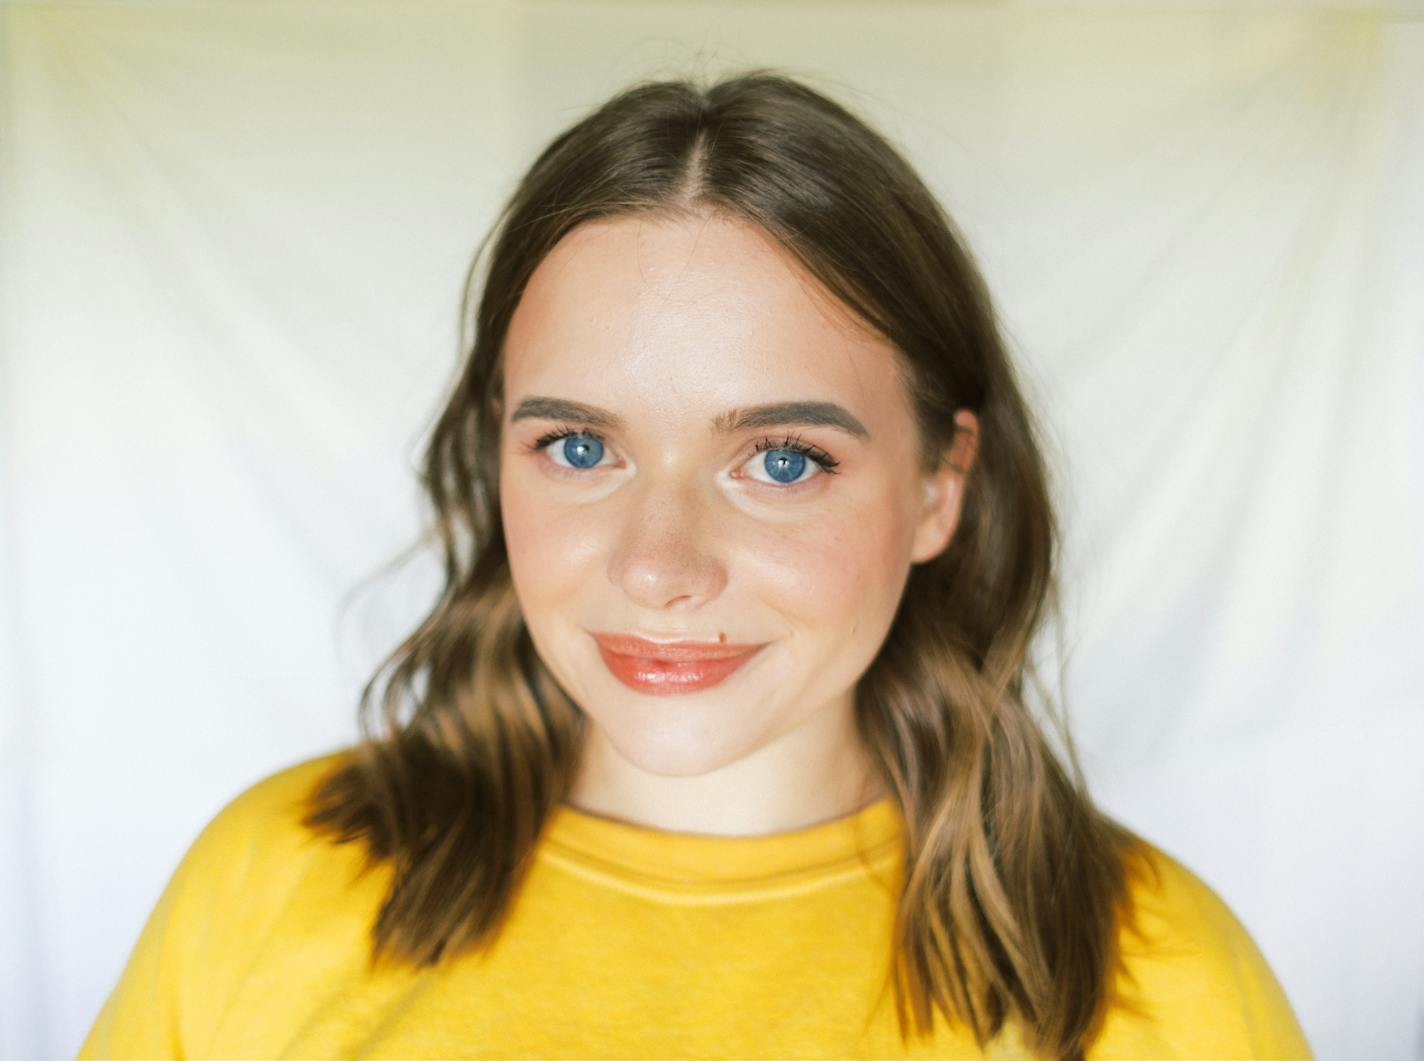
[{"x": 669, "y": 668}]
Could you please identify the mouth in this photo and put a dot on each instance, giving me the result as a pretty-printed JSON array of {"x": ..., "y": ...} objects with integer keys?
[{"x": 663, "y": 668}]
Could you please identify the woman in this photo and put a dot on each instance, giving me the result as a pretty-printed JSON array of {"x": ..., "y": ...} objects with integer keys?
[{"x": 716, "y": 742}]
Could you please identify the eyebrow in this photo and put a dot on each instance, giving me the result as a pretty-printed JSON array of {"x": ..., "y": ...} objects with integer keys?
[{"x": 773, "y": 414}]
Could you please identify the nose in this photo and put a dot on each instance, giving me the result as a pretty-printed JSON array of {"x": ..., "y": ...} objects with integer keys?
[{"x": 666, "y": 556}]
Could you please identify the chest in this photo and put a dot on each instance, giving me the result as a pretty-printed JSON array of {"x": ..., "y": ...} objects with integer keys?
[{"x": 593, "y": 973}]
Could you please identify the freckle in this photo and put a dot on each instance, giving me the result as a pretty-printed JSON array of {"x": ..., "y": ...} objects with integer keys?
[{"x": 722, "y": 638}]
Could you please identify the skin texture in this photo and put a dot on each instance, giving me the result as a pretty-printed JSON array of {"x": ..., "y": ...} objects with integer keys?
[{"x": 681, "y": 533}]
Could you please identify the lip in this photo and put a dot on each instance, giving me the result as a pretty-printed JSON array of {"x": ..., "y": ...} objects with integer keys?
[
  {"x": 663, "y": 668},
  {"x": 673, "y": 651}
]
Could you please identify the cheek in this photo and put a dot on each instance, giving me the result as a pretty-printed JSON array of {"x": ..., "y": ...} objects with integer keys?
[
  {"x": 842, "y": 571},
  {"x": 547, "y": 549}
]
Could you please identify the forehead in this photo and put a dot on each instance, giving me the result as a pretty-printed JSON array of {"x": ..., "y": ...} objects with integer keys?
[{"x": 698, "y": 312}]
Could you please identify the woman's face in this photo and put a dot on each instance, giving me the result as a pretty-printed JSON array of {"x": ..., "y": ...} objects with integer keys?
[{"x": 653, "y": 345}]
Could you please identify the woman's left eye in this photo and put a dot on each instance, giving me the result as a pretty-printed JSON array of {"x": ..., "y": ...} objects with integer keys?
[{"x": 785, "y": 461}]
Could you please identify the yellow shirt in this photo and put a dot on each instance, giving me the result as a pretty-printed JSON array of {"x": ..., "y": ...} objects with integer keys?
[{"x": 625, "y": 942}]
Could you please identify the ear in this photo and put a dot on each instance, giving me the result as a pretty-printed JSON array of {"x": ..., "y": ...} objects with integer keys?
[{"x": 944, "y": 490}]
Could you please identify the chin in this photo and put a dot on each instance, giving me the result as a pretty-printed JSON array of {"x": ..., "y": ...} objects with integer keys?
[{"x": 676, "y": 751}]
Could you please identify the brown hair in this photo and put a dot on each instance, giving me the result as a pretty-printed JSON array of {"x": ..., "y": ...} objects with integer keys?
[{"x": 1013, "y": 879}]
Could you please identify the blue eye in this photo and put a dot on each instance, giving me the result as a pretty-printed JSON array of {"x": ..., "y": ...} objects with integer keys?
[
  {"x": 581, "y": 448},
  {"x": 784, "y": 465},
  {"x": 582, "y": 451},
  {"x": 785, "y": 460}
]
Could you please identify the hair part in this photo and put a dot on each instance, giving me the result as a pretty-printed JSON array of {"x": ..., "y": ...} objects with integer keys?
[{"x": 1015, "y": 883}]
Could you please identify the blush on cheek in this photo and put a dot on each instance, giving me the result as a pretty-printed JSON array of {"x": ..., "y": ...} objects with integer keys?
[
  {"x": 534, "y": 544},
  {"x": 815, "y": 574},
  {"x": 862, "y": 570},
  {"x": 557, "y": 557}
]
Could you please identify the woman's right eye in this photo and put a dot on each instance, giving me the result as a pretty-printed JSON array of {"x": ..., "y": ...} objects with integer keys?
[{"x": 580, "y": 449}]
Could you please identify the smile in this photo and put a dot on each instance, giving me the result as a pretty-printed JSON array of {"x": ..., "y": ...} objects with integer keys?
[{"x": 669, "y": 669}]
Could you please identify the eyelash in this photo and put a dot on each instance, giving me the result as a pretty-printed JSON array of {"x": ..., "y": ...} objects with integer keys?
[{"x": 793, "y": 443}]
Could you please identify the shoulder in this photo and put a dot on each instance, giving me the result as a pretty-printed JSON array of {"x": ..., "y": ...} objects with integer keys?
[
  {"x": 1175, "y": 909},
  {"x": 1191, "y": 980},
  {"x": 252, "y": 868},
  {"x": 255, "y": 857},
  {"x": 263, "y": 819},
  {"x": 258, "y": 881},
  {"x": 279, "y": 799}
]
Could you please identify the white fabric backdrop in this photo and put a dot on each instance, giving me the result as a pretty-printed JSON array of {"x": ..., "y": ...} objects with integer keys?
[{"x": 231, "y": 242}]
